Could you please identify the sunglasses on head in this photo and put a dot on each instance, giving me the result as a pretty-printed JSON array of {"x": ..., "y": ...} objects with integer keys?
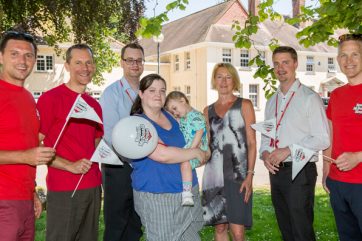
[
  {"x": 18, "y": 34},
  {"x": 354, "y": 36}
]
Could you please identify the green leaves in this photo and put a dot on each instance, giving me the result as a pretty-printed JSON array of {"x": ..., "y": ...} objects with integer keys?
[
  {"x": 330, "y": 16},
  {"x": 150, "y": 27},
  {"x": 91, "y": 22},
  {"x": 325, "y": 19},
  {"x": 266, "y": 73}
]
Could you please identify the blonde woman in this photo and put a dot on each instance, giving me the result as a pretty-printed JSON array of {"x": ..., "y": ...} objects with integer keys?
[{"x": 227, "y": 200}]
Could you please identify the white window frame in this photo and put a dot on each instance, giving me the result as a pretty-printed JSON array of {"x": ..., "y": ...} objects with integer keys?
[
  {"x": 96, "y": 94},
  {"x": 187, "y": 91},
  {"x": 331, "y": 65},
  {"x": 187, "y": 60},
  {"x": 47, "y": 62},
  {"x": 309, "y": 65},
  {"x": 226, "y": 55},
  {"x": 177, "y": 62},
  {"x": 244, "y": 58},
  {"x": 240, "y": 92},
  {"x": 254, "y": 94}
]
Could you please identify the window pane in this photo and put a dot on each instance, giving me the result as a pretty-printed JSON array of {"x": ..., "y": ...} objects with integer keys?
[
  {"x": 44, "y": 63},
  {"x": 226, "y": 55},
  {"x": 310, "y": 64},
  {"x": 244, "y": 58},
  {"x": 177, "y": 63},
  {"x": 187, "y": 60},
  {"x": 254, "y": 94}
]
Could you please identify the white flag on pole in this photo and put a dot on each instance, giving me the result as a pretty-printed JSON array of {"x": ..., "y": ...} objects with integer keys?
[
  {"x": 105, "y": 154},
  {"x": 267, "y": 127},
  {"x": 300, "y": 157},
  {"x": 82, "y": 110}
]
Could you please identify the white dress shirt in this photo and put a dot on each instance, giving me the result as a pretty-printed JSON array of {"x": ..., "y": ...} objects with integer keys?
[
  {"x": 116, "y": 101},
  {"x": 304, "y": 122}
]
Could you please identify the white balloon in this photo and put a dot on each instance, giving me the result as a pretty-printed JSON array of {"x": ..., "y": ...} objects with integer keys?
[{"x": 134, "y": 137}]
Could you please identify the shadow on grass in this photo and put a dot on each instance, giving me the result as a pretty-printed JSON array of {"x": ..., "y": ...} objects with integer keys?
[{"x": 264, "y": 228}]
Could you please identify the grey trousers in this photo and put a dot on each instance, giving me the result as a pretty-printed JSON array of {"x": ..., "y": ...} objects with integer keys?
[
  {"x": 165, "y": 219},
  {"x": 70, "y": 219}
]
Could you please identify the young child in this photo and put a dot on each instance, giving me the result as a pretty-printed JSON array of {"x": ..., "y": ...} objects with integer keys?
[{"x": 193, "y": 127}]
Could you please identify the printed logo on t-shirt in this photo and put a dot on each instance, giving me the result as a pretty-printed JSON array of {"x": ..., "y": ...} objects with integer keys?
[
  {"x": 358, "y": 109},
  {"x": 143, "y": 134}
]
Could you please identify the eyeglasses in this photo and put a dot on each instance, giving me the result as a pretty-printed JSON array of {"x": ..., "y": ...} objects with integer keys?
[
  {"x": 130, "y": 61},
  {"x": 354, "y": 36}
]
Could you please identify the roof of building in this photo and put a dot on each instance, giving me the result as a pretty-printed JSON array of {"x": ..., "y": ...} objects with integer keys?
[
  {"x": 205, "y": 26},
  {"x": 186, "y": 31}
]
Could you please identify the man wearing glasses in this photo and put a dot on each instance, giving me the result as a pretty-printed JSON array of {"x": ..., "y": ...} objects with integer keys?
[
  {"x": 19, "y": 140},
  {"x": 342, "y": 178},
  {"x": 122, "y": 223}
]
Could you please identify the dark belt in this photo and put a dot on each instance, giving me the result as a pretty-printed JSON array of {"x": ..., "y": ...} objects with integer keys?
[{"x": 285, "y": 164}]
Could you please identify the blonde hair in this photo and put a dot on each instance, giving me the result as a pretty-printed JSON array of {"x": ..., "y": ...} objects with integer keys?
[
  {"x": 231, "y": 69},
  {"x": 176, "y": 95}
]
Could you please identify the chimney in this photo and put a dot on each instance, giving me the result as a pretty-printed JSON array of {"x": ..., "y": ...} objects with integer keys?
[
  {"x": 253, "y": 7},
  {"x": 297, "y": 9}
]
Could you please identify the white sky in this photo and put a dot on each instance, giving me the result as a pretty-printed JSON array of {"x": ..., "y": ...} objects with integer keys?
[{"x": 282, "y": 6}]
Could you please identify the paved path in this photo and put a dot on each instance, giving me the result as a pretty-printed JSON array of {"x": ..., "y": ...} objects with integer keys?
[{"x": 261, "y": 177}]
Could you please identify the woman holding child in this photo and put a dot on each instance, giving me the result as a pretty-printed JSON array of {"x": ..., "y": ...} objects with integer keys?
[{"x": 156, "y": 179}]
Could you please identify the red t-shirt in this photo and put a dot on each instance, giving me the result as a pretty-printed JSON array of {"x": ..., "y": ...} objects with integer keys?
[
  {"x": 77, "y": 140},
  {"x": 19, "y": 127},
  {"x": 345, "y": 112}
]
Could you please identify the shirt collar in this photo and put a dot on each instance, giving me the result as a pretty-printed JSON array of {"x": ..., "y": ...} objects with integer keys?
[
  {"x": 292, "y": 89},
  {"x": 126, "y": 87},
  {"x": 124, "y": 83}
]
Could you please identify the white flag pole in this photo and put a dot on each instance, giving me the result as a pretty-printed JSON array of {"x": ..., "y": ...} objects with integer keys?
[
  {"x": 66, "y": 121},
  {"x": 76, "y": 187},
  {"x": 331, "y": 160}
]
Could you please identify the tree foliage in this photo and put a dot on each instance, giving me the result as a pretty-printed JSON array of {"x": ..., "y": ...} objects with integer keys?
[
  {"x": 88, "y": 21},
  {"x": 326, "y": 18}
]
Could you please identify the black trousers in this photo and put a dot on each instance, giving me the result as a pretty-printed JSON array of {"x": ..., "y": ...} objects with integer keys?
[
  {"x": 293, "y": 201},
  {"x": 122, "y": 223}
]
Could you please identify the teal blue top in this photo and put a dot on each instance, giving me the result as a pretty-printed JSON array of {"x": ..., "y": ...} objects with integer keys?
[{"x": 190, "y": 124}]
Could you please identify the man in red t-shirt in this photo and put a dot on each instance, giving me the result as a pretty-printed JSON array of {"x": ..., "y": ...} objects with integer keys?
[
  {"x": 72, "y": 217},
  {"x": 342, "y": 178},
  {"x": 19, "y": 140}
]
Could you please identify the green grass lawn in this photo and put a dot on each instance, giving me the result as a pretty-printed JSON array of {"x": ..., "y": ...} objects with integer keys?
[{"x": 264, "y": 227}]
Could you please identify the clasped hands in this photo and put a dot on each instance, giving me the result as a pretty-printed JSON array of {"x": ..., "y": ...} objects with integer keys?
[{"x": 273, "y": 159}]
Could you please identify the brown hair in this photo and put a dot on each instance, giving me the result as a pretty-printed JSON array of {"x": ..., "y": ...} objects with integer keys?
[
  {"x": 350, "y": 37},
  {"x": 286, "y": 49},
  {"x": 132, "y": 46},
  {"x": 17, "y": 36},
  {"x": 68, "y": 54},
  {"x": 176, "y": 95},
  {"x": 145, "y": 83}
]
